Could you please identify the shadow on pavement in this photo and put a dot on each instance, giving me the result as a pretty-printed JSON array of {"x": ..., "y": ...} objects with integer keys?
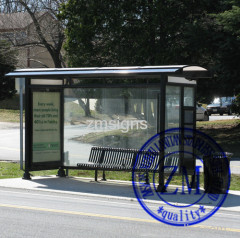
[
  {"x": 71, "y": 184},
  {"x": 122, "y": 189}
]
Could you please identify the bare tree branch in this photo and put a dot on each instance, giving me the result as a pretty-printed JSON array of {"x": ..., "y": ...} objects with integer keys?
[{"x": 38, "y": 61}]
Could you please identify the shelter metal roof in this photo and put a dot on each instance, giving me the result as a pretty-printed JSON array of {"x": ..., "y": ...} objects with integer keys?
[{"x": 189, "y": 72}]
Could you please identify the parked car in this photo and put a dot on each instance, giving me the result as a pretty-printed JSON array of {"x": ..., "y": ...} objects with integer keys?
[
  {"x": 221, "y": 105},
  {"x": 201, "y": 113}
]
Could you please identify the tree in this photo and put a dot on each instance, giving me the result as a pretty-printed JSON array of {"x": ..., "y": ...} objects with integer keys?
[
  {"x": 215, "y": 39},
  {"x": 7, "y": 86},
  {"x": 157, "y": 32},
  {"x": 121, "y": 32},
  {"x": 138, "y": 32},
  {"x": 229, "y": 54},
  {"x": 48, "y": 31}
]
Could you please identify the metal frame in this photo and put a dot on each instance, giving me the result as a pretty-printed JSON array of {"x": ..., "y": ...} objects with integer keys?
[
  {"x": 26, "y": 174},
  {"x": 35, "y": 166},
  {"x": 189, "y": 72},
  {"x": 145, "y": 72},
  {"x": 29, "y": 164},
  {"x": 21, "y": 82}
]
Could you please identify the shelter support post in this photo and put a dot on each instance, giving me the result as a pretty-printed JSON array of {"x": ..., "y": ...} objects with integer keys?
[
  {"x": 26, "y": 175},
  {"x": 161, "y": 128},
  {"x": 21, "y": 86},
  {"x": 61, "y": 173}
]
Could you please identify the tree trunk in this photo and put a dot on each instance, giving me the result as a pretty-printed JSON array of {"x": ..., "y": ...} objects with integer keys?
[{"x": 85, "y": 107}]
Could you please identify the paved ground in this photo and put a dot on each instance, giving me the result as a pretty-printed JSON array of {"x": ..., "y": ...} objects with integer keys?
[
  {"x": 111, "y": 189},
  {"x": 77, "y": 207}
]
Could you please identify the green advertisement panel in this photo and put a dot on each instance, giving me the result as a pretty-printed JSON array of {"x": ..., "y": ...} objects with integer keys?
[{"x": 46, "y": 144}]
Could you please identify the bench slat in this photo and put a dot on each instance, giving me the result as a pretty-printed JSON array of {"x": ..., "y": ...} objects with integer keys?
[{"x": 125, "y": 159}]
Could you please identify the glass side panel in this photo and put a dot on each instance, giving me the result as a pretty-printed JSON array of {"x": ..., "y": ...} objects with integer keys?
[
  {"x": 172, "y": 116},
  {"x": 107, "y": 117},
  {"x": 188, "y": 97},
  {"x": 172, "y": 107},
  {"x": 188, "y": 116}
]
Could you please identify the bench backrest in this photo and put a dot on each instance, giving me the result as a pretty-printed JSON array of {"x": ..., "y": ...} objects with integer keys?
[
  {"x": 126, "y": 159},
  {"x": 118, "y": 157},
  {"x": 96, "y": 155}
]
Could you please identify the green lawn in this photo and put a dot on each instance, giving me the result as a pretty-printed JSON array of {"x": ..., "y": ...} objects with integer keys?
[{"x": 11, "y": 170}]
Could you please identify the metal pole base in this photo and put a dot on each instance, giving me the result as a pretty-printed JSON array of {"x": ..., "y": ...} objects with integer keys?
[
  {"x": 27, "y": 176},
  {"x": 61, "y": 173},
  {"x": 161, "y": 189}
]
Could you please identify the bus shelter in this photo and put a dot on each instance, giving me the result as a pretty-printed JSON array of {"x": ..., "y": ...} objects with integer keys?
[{"x": 70, "y": 110}]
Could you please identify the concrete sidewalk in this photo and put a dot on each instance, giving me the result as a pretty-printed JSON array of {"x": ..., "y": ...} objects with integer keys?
[{"x": 111, "y": 189}]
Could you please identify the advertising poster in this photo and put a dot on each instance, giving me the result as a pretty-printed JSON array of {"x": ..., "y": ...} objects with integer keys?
[{"x": 46, "y": 127}]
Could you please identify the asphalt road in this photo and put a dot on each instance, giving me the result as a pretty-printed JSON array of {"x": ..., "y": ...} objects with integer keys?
[
  {"x": 9, "y": 141},
  {"x": 27, "y": 213}
]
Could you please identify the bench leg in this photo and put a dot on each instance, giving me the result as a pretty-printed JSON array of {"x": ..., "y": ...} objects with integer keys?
[
  {"x": 161, "y": 186},
  {"x": 96, "y": 174},
  {"x": 104, "y": 176}
]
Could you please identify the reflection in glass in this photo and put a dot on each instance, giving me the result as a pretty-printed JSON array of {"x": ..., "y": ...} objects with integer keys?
[
  {"x": 188, "y": 96},
  {"x": 108, "y": 117},
  {"x": 172, "y": 116}
]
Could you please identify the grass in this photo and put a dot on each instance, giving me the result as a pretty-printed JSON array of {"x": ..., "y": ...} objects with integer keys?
[
  {"x": 8, "y": 115},
  {"x": 11, "y": 170}
]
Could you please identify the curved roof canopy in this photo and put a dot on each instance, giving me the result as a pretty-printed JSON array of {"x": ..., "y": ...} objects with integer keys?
[{"x": 189, "y": 72}]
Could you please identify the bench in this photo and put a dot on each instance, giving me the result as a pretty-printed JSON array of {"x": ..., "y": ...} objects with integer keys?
[{"x": 118, "y": 159}]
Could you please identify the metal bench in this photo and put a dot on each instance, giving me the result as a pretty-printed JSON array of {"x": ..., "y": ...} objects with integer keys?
[{"x": 118, "y": 159}]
